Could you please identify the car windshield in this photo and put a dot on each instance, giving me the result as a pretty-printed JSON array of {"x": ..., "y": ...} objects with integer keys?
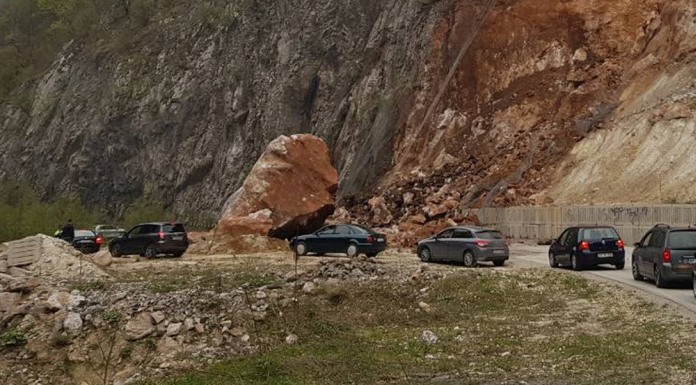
[
  {"x": 177, "y": 228},
  {"x": 489, "y": 234},
  {"x": 83, "y": 233},
  {"x": 681, "y": 240},
  {"x": 599, "y": 233}
]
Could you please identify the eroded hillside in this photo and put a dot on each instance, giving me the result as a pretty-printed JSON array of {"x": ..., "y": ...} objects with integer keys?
[{"x": 438, "y": 104}]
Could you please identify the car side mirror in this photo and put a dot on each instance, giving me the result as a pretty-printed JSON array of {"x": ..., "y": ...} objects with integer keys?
[{"x": 637, "y": 244}]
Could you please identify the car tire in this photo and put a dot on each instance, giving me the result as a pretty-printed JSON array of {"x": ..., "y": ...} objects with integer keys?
[
  {"x": 352, "y": 250},
  {"x": 659, "y": 280},
  {"x": 178, "y": 255},
  {"x": 636, "y": 272},
  {"x": 150, "y": 252},
  {"x": 620, "y": 265},
  {"x": 574, "y": 263},
  {"x": 301, "y": 248},
  {"x": 469, "y": 259},
  {"x": 498, "y": 263},
  {"x": 425, "y": 254},
  {"x": 693, "y": 281},
  {"x": 552, "y": 261},
  {"x": 115, "y": 251}
]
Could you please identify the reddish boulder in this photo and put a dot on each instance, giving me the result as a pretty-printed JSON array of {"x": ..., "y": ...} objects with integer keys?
[{"x": 290, "y": 190}]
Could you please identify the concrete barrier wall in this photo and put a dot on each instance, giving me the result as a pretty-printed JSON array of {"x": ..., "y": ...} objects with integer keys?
[{"x": 632, "y": 222}]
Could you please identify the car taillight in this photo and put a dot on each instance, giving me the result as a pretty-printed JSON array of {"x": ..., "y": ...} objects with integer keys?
[
  {"x": 620, "y": 244},
  {"x": 99, "y": 240},
  {"x": 482, "y": 243},
  {"x": 370, "y": 239},
  {"x": 584, "y": 246},
  {"x": 161, "y": 235},
  {"x": 667, "y": 256}
]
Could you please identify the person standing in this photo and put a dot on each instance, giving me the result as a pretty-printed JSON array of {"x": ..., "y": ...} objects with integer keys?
[{"x": 68, "y": 232}]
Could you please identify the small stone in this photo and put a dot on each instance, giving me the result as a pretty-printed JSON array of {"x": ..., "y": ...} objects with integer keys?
[
  {"x": 308, "y": 287},
  {"x": 237, "y": 332},
  {"x": 73, "y": 323},
  {"x": 245, "y": 338},
  {"x": 261, "y": 294},
  {"x": 505, "y": 354},
  {"x": 200, "y": 328},
  {"x": 259, "y": 315},
  {"x": 227, "y": 324},
  {"x": 424, "y": 306},
  {"x": 174, "y": 329},
  {"x": 139, "y": 327},
  {"x": 428, "y": 337},
  {"x": 158, "y": 317},
  {"x": 291, "y": 339},
  {"x": 188, "y": 324}
]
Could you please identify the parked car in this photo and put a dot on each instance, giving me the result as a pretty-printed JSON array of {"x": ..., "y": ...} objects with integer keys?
[
  {"x": 349, "y": 239},
  {"x": 109, "y": 232},
  {"x": 469, "y": 245},
  {"x": 588, "y": 246},
  {"x": 150, "y": 240},
  {"x": 665, "y": 254},
  {"x": 87, "y": 242}
]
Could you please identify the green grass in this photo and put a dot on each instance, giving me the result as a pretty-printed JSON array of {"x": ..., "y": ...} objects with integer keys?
[{"x": 491, "y": 328}]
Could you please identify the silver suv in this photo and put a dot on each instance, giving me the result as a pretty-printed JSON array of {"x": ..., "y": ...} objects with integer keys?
[{"x": 665, "y": 255}]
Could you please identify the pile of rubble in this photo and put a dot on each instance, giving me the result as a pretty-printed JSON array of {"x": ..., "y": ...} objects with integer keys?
[
  {"x": 333, "y": 271},
  {"x": 213, "y": 243}
]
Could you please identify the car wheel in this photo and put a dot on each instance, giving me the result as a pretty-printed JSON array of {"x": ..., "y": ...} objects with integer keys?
[
  {"x": 552, "y": 261},
  {"x": 693, "y": 281},
  {"x": 352, "y": 250},
  {"x": 659, "y": 280},
  {"x": 425, "y": 254},
  {"x": 469, "y": 259},
  {"x": 574, "y": 263},
  {"x": 116, "y": 251},
  {"x": 635, "y": 271},
  {"x": 301, "y": 248},
  {"x": 620, "y": 265},
  {"x": 178, "y": 255},
  {"x": 498, "y": 263},
  {"x": 150, "y": 252}
]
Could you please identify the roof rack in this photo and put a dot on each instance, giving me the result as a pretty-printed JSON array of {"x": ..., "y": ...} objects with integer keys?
[{"x": 662, "y": 225}]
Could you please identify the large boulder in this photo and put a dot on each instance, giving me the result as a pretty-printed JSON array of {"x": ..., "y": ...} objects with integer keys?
[{"x": 289, "y": 190}]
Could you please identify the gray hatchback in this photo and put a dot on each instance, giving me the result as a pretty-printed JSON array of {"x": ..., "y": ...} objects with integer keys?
[{"x": 469, "y": 245}]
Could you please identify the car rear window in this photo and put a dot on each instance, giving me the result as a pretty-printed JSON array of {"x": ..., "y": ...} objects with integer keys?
[
  {"x": 682, "y": 240},
  {"x": 490, "y": 235},
  {"x": 599, "y": 233},
  {"x": 360, "y": 230},
  {"x": 177, "y": 228},
  {"x": 83, "y": 233}
]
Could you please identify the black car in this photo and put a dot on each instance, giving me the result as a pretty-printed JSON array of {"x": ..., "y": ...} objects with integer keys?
[
  {"x": 87, "y": 241},
  {"x": 468, "y": 245},
  {"x": 582, "y": 247},
  {"x": 150, "y": 240},
  {"x": 665, "y": 254},
  {"x": 349, "y": 239}
]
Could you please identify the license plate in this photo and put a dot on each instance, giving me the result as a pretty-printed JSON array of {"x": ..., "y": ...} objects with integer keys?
[
  {"x": 82, "y": 242},
  {"x": 380, "y": 240},
  {"x": 177, "y": 238},
  {"x": 498, "y": 251},
  {"x": 688, "y": 261},
  {"x": 605, "y": 255}
]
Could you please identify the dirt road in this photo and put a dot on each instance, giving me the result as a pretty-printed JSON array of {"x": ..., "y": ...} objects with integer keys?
[{"x": 680, "y": 295}]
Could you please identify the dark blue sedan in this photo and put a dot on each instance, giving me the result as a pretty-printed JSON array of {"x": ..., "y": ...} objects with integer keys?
[
  {"x": 584, "y": 247},
  {"x": 348, "y": 239}
]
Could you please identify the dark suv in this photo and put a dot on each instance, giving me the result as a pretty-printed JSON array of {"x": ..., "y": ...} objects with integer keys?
[
  {"x": 665, "y": 254},
  {"x": 587, "y": 246},
  {"x": 150, "y": 240}
]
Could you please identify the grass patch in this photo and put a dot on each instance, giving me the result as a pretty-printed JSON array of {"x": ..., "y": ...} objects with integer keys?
[
  {"x": 538, "y": 327},
  {"x": 12, "y": 338}
]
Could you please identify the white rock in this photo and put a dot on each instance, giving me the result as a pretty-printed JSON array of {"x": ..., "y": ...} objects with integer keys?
[
  {"x": 424, "y": 306},
  {"x": 246, "y": 338},
  {"x": 261, "y": 294},
  {"x": 174, "y": 329},
  {"x": 428, "y": 337},
  {"x": 308, "y": 287},
  {"x": 292, "y": 339},
  {"x": 158, "y": 317},
  {"x": 188, "y": 324},
  {"x": 73, "y": 323}
]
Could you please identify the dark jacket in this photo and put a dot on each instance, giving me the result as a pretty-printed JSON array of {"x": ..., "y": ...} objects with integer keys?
[{"x": 68, "y": 232}]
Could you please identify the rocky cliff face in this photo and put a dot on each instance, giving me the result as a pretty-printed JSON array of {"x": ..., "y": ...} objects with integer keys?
[{"x": 434, "y": 105}]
